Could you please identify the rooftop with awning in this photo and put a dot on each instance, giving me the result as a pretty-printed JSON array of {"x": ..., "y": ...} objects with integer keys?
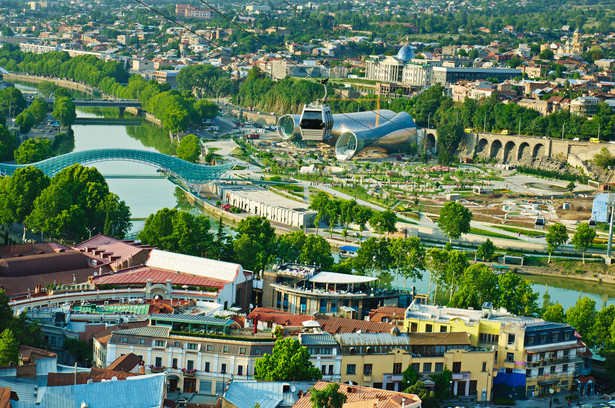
[{"x": 340, "y": 278}]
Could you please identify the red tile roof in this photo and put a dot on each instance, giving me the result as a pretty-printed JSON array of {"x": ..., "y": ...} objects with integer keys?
[
  {"x": 140, "y": 274},
  {"x": 365, "y": 396},
  {"x": 278, "y": 317},
  {"x": 108, "y": 246},
  {"x": 5, "y": 397},
  {"x": 376, "y": 315},
  {"x": 20, "y": 274}
]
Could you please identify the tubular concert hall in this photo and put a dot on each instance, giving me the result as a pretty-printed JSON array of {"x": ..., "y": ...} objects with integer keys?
[{"x": 353, "y": 133}]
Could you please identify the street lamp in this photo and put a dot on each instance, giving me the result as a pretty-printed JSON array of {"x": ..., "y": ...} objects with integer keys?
[
  {"x": 450, "y": 390},
  {"x": 551, "y": 391}
]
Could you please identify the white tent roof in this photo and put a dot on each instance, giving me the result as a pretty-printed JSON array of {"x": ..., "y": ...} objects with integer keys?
[
  {"x": 332, "y": 277},
  {"x": 208, "y": 268}
]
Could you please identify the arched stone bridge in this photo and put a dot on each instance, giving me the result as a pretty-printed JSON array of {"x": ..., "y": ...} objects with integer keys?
[
  {"x": 507, "y": 148},
  {"x": 191, "y": 173}
]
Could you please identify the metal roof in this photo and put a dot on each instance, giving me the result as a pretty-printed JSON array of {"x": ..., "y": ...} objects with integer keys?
[
  {"x": 340, "y": 278},
  {"x": 372, "y": 339},
  {"x": 186, "y": 318},
  {"x": 246, "y": 394},
  {"x": 144, "y": 391},
  {"x": 318, "y": 339},
  {"x": 148, "y": 331},
  {"x": 140, "y": 275},
  {"x": 207, "y": 268}
]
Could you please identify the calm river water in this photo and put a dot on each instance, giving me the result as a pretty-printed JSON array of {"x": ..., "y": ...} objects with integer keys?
[{"x": 146, "y": 195}]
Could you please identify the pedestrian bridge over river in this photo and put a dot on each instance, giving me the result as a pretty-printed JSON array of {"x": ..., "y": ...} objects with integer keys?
[{"x": 192, "y": 174}]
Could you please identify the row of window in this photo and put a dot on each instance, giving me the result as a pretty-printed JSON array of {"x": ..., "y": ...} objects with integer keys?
[
  {"x": 542, "y": 356},
  {"x": 429, "y": 328},
  {"x": 351, "y": 369},
  {"x": 545, "y": 338},
  {"x": 552, "y": 370},
  {"x": 190, "y": 366},
  {"x": 193, "y": 346},
  {"x": 320, "y": 350}
]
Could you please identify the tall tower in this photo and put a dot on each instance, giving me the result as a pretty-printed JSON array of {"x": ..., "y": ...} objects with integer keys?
[{"x": 577, "y": 44}]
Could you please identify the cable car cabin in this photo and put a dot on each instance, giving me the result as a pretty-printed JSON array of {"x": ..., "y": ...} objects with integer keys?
[{"x": 316, "y": 122}]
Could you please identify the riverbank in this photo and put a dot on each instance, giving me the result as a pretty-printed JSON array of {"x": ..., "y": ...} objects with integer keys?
[
  {"x": 569, "y": 270},
  {"x": 33, "y": 79}
]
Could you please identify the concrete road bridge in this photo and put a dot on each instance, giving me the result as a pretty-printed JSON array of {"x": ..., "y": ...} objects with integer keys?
[{"x": 194, "y": 175}]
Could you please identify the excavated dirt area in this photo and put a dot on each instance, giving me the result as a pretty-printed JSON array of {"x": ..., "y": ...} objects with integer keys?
[{"x": 580, "y": 209}]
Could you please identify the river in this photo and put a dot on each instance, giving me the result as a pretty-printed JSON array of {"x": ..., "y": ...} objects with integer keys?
[{"x": 146, "y": 195}]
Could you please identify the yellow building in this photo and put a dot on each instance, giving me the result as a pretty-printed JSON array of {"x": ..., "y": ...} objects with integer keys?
[
  {"x": 520, "y": 344},
  {"x": 378, "y": 361}
]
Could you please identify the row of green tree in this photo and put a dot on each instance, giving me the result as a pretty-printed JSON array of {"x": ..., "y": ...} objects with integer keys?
[
  {"x": 74, "y": 204},
  {"x": 346, "y": 212}
]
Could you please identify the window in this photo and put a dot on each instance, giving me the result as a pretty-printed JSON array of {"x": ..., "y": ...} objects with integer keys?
[
  {"x": 484, "y": 338},
  {"x": 552, "y": 369},
  {"x": 543, "y": 338},
  {"x": 457, "y": 367},
  {"x": 510, "y": 357},
  {"x": 427, "y": 367},
  {"x": 567, "y": 336},
  {"x": 191, "y": 346},
  {"x": 190, "y": 364},
  {"x": 565, "y": 368},
  {"x": 541, "y": 371},
  {"x": 442, "y": 329},
  {"x": 351, "y": 369},
  {"x": 414, "y": 327},
  {"x": 367, "y": 369},
  {"x": 330, "y": 369},
  {"x": 484, "y": 366},
  {"x": 207, "y": 366},
  {"x": 566, "y": 353},
  {"x": 240, "y": 370},
  {"x": 428, "y": 328},
  {"x": 223, "y": 369},
  {"x": 416, "y": 367},
  {"x": 141, "y": 341},
  {"x": 176, "y": 344},
  {"x": 158, "y": 362},
  {"x": 209, "y": 347},
  {"x": 555, "y": 335},
  {"x": 439, "y": 367},
  {"x": 530, "y": 340},
  {"x": 323, "y": 369},
  {"x": 225, "y": 349},
  {"x": 159, "y": 343},
  {"x": 174, "y": 363},
  {"x": 124, "y": 339},
  {"x": 242, "y": 350},
  {"x": 257, "y": 351},
  {"x": 511, "y": 339},
  {"x": 396, "y": 368}
]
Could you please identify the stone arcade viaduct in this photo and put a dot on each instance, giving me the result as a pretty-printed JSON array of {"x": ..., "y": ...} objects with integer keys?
[{"x": 512, "y": 148}]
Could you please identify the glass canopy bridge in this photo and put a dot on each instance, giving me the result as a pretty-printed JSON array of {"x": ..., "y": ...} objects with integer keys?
[{"x": 191, "y": 174}]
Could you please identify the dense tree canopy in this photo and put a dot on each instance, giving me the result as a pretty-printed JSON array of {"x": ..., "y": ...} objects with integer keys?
[
  {"x": 289, "y": 361},
  {"x": 189, "y": 149},
  {"x": 33, "y": 150},
  {"x": 454, "y": 220},
  {"x": 7, "y": 143}
]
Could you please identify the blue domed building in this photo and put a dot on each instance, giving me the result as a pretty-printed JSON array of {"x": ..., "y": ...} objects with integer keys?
[{"x": 406, "y": 53}]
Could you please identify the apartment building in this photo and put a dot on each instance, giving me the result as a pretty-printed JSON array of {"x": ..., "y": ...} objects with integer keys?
[
  {"x": 515, "y": 343},
  {"x": 190, "y": 349},
  {"x": 378, "y": 360}
]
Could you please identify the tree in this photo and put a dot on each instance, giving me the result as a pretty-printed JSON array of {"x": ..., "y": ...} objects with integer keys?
[
  {"x": 546, "y": 54},
  {"x": 7, "y": 143},
  {"x": 33, "y": 150},
  {"x": 554, "y": 313},
  {"x": 583, "y": 238},
  {"x": 25, "y": 120},
  {"x": 449, "y": 136},
  {"x": 9, "y": 349},
  {"x": 206, "y": 109},
  {"x": 604, "y": 330},
  {"x": 333, "y": 213},
  {"x": 64, "y": 111},
  {"x": 288, "y": 361},
  {"x": 362, "y": 216},
  {"x": 409, "y": 377},
  {"x": 256, "y": 243},
  {"x": 428, "y": 398},
  {"x": 12, "y": 102},
  {"x": 571, "y": 186},
  {"x": 319, "y": 204},
  {"x": 19, "y": 193},
  {"x": 374, "y": 254},
  {"x": 47, "y": 88},
  {"x": 79, "y": 350},
  {"x": 517, "y": 296},
  {"x": 409, "y": 257},
  {"x": 178, "y": 231},
  {"x": 478, "y": 285},
  {"x": 486, "y": 250},
  {"x": 604, "y": 158},
  {"x": 454, "y": 220},
  {"x": 582, "y": 317},
  {"x": 347, "y": 214},
  {"x": 557, "y": 235},
  {"x": 384, "y": 222},
  {"x": 189, "y": 149},
  {"x": 328, "y": 397}
]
